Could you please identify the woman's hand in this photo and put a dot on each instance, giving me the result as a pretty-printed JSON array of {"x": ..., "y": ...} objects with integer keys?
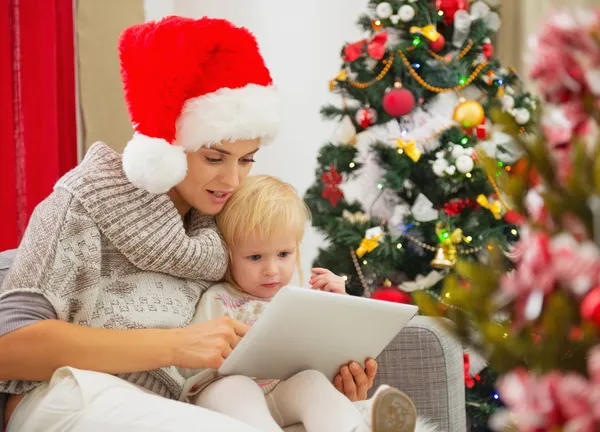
[
  {"x": 324, "y": 280},
  {"x": 354, "y": 381},
  {"x": 206, "y": 345}
]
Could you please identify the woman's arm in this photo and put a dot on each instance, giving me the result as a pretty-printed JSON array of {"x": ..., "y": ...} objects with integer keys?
[{"x": 34, "y": 352}]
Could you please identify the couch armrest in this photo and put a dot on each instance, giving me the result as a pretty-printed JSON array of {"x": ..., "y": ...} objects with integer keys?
[{"x": 426, "y": 362}]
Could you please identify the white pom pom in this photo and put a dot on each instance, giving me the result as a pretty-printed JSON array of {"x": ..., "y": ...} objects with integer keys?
[{"x": 153, "y": 164}]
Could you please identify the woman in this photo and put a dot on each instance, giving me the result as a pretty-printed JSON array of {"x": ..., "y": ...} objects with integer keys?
[{"x": 115, "y": 259}]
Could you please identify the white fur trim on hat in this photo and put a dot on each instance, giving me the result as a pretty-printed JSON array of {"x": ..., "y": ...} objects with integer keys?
[
  {"x": 153, "y": 164},
  {"x": 248, "y": 112}
]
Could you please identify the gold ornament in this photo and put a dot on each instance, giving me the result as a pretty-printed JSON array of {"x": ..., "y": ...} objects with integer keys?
[
  {"x": 469, "y": 114},
  {"x": 367, "y": 245},
  {"x": 342, "y": 76},
  {"x": 430, "y": 32},
  {"x": 447, "y": 251},
  {"x": 494, "y": 207},
  {"x": 500, "y": 93},
  {"x": 410, "y": 148},
  {"x": 358, "y": 217},
  {"x": 440, "y": 261},
  {"x": 376, "y": 25}
]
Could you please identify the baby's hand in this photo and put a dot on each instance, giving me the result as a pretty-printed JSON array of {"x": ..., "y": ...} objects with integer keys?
[{"x": 324, "y": 280}]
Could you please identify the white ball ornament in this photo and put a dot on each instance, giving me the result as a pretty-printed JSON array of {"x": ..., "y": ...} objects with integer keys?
[
  {"x": 508, "y": 102},
  {"x": 457, "y": 151},
  {"x": 522, "y": 116},
  {"x": 464, "y": 164},
  {"x": 406, "y": 13},
  {"x": 384, "y": 10},
  {"x": 439, "y": 167}
]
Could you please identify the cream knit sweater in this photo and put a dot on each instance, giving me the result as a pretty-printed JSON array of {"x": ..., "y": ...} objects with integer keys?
[{"x": 106, "y": 254}]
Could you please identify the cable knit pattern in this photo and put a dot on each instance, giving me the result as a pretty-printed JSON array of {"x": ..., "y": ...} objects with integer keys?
[
  {"x": 121, "y": 211},
  {"x": 106, "y": 254}
]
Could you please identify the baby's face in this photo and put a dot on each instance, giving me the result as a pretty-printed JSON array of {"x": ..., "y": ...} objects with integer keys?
[{"x": 262, "y": 267}]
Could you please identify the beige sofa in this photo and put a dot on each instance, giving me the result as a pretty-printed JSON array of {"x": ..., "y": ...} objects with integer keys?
[{"x": 423, "y": 360}]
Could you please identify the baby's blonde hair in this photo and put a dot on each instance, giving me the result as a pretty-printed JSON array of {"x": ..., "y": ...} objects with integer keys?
[{"x": 266, "y": 206}]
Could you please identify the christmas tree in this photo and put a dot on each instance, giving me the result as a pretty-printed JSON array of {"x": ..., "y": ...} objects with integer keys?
[
  {"x": 401, "y": 192},
  {"x": 540, "y": 322}
]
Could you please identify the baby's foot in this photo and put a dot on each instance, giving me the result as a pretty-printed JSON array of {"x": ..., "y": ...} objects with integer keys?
[{"x": 392, "y": 411}]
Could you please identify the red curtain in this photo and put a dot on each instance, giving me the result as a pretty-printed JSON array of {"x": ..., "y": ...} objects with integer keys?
[{"x": 38, "y": 135}]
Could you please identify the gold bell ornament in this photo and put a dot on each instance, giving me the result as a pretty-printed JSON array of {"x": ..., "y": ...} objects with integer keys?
[
  {"x": 440, "y": 261},
  {"x": 447, "y": 252}
]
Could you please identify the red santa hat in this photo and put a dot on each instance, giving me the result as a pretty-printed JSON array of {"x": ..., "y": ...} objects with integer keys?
[{"x": 191, "y": 83}]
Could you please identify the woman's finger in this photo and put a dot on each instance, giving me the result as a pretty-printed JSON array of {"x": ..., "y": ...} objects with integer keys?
[{"x": 240, "y": 328}]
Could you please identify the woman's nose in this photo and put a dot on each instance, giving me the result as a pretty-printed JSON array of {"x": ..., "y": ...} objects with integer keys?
[{"x": 231, "y": 176}]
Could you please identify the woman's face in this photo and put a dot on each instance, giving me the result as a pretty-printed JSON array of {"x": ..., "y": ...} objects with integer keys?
[{"x": 214, "y": 173}]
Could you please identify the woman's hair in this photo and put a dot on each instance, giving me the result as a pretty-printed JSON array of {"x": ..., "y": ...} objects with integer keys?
[{"x": 265, "y": 206}]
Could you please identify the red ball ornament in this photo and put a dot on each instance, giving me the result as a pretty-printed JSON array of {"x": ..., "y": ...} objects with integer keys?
[
  {"x": 488, "y": 50},
  {"x": 438, "y": 45},
  {"x": 391, "y": 294},
  {"x": 449, "y": 8},
  {"x": 590, "y": 306},
  {"x": 398, "y": 102},
  {"x": 366, "y": 117}
]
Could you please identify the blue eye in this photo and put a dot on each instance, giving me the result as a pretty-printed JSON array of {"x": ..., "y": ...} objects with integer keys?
[
  {"x": 284, "y": 254},
  {"x": 254, "y": 257}
]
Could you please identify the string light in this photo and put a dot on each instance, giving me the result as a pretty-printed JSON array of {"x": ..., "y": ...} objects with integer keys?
[
  {"x": 469, "y": 239},
  {"x": 462, "y": 81},
  {"x": 345, "y": 277},
  {"x": 416, "y": 65},
  {"x": 500, "y": 81},
  {"x": 441, "y": 13},
  {"x": 496, "y": 396},
  {"x": 513, "y": 232},
  {"x": 365, "y": 262},
  {"x": 447, "y": 295},
  {"x": 399, "y": 245},
  {"x": 464, "y": 141},
  {"x": 400, "y": 151},
  {"x": 500, "y": 164},
  {"x": 468, "y": 175},
  {"x": 351, "y": 164},
  {"x": 416, "y": 41},
  {"x": 379, "y": 186}
]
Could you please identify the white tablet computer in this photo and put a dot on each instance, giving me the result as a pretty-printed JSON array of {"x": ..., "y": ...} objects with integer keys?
[{"x": 309, "y": 329}]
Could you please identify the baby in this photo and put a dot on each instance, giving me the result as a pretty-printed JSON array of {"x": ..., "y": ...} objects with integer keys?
[{"x": 263, "y": 224}]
